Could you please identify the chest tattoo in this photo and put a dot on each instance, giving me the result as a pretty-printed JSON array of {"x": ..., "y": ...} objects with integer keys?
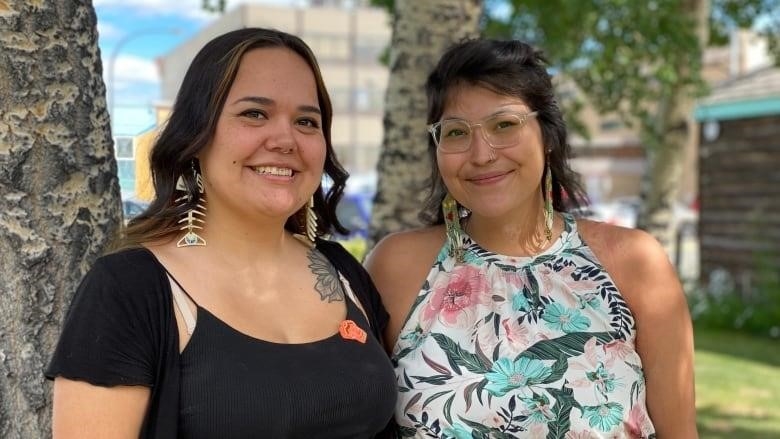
[{"x": 328, "y": 284}]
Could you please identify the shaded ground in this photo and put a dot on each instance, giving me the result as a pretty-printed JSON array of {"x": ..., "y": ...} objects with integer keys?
[{"x": 737, "y": 386}]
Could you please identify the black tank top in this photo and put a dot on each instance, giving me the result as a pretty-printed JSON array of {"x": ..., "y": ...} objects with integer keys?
[{"x": 237, "y": 386}]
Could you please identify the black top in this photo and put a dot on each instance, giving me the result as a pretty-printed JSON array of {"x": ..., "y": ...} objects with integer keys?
[
  {"x": 121, "y": 330},
  {"x": 236, "y": 386}
]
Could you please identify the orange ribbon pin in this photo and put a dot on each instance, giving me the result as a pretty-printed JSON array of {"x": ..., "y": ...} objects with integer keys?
[{"x": 349, "y": 330}]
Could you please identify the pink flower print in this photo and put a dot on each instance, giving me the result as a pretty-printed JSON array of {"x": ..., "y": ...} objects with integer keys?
[
  {"x": 638, "y": 424},
  {"x": 493, "y": 420},
  {"x": 544, "y": 276},
  {"x": 515, "y": 279},
  {"x": 455, "y": 298},
  {"x": 516, "y": 335},
  {"x": 618, "y": 349},
  {"x": 580, "y": 435}
]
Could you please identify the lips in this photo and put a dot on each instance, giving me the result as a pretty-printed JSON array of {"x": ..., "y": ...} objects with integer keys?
[{"x": 487, "y": 177}]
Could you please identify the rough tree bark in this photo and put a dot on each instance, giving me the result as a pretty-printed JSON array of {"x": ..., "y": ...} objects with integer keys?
[
  {"x": 59, "y": 194},
  {"x": 667, "y": 141},
  {"x": 421, "y": 32}
]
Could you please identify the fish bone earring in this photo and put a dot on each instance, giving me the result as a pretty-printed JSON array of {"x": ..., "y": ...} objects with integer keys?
[
  {"x": 194, "y": 217},
  {"x": 309, "y": 224}
]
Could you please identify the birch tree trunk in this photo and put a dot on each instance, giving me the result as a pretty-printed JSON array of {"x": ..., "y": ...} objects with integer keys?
[
  {"x": 666, "y": 142},
  {"x": 59, "y": 194},
  {"x": 422, "y": 30}
]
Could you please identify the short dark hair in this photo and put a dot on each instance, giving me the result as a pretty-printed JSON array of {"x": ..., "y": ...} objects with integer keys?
[
  {"x": 192, "y": 125},
  {"x": 510, "y": 68}
]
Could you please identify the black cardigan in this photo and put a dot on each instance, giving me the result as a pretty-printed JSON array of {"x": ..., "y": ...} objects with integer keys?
[{"x": 121, "y": 319}]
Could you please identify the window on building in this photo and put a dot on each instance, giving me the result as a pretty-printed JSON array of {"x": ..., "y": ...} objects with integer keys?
[
  {"x": 126, "y": 174},
  {"x": 329, "y": 46},
  {"x": 610, "y": 125},
  {"x": 123, "y": 147}
]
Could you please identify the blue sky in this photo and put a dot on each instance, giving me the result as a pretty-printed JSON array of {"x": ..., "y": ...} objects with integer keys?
[{"x": 134, "y": 33}]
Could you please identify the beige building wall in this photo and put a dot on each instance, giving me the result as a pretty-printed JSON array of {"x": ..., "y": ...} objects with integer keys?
[{"x": 348, "y": 43}]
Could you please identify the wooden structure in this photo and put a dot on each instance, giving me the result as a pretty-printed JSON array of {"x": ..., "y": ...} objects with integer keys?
[{"x": 739, "y": 179}]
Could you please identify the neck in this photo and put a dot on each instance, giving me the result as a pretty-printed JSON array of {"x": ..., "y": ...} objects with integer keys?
[
  {"x": 519, "y": 234},
  {"x": 245, "y": 241}
]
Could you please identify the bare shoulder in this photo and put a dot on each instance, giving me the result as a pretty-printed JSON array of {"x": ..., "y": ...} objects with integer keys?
[
  {"x": 398, "y": 265},
  {"x": 405, "y": 253},
  {"x": 646, "y": 279},
  {"x": 636, "y": 261},
  {"x": 620, "y": 246}
]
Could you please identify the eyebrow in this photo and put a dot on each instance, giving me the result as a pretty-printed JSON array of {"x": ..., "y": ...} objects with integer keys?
[
  {"x": 260, "y": 100},
  {"x": 504, "y": 110}
]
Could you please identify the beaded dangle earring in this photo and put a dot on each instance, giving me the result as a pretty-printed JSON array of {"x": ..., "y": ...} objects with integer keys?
[
  {"x": 451, "y": 213},
  {"x": 548, "y": 204},
  {"x": 194, "y": 217}
]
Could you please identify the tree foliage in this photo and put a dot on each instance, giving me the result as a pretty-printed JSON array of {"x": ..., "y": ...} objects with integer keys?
[{"x": 624, "y": 54}]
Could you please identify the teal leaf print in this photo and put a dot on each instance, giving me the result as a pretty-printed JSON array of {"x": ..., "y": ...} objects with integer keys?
[
  {"x": 532, "y": 289},
  {"x": 457, "y": 431},
  {"x": 407, "y": 381},
  {"x": 508, "y": 375},
  {"x": 564, "y": 402},
  {"x": 406, "y": 431},
  {"x": 434, "y": 397},
  {"x": 604, "y": 416},
  {"x": 605, "y": 381},
  {"x": 537, "y": 408},
  {"x": 565, "y": 319},
  {"x": 458, "y": 356},
  {"x": 448, "y": 409},
  {"x": 481, "y": 355},
  {"x": 480, "y": 388},
  {"x": 520, "y": 302},
  {"x": 483, "y": 431},
  {"x": 436, "y": 380},
  {"x": 569, "y": 345},
  {"x": 496, "y": 351},
  {"x": 558, "y": 369}
]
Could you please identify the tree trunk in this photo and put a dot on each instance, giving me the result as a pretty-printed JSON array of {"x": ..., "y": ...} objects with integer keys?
[
  {"x": 667, "y": 140},
  {"x": 422, "y": 30},
  {"x": 59, "y": 194}
]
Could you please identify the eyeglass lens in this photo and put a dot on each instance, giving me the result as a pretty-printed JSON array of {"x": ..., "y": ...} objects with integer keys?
[{"x": 501, "y": 130}]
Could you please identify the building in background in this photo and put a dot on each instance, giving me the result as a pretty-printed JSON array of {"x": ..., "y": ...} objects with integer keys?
[
  {"x": 739, "y": 220},
  {"x": 612, "y": 162},
  {"x": 348, "y": 39}
]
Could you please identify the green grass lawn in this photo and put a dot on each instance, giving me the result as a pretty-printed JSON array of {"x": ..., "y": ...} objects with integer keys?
[{"x": 737, "y": 385}]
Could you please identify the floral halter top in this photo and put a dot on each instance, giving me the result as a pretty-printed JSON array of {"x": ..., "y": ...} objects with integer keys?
[{"x": 506, "y": 347}]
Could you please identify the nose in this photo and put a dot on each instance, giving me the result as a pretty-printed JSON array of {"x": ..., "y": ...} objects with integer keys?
[
  {"x": 482, "y": 152},
  {"x": 280, "y": 138}
]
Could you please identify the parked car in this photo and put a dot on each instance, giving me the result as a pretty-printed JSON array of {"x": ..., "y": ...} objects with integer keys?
[
  {"x": 622, "y": 211},
  {"x": 133, "y": 207},
  {"x": 354, "y": 213}
]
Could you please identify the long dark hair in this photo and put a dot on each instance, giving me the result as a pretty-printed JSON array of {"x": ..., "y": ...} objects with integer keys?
[
  {"x": 192, "y": 124},
  {"x": 510, "y": 68}
]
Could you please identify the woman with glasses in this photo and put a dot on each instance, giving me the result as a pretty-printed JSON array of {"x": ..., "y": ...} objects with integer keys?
[{"x": 509, "y": 316}]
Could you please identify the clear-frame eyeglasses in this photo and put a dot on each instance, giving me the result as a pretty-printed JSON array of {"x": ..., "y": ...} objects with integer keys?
[{"x": 500, "y": 130}]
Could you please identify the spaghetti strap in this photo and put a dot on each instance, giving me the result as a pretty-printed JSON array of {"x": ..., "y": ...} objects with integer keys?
[
  {"x": 351, "y": 296},
  {"x": 178, "y": 293}
]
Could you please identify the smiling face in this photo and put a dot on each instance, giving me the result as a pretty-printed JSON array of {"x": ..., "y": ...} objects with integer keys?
[
  {"x": 493, "y": 183},
  {"x": 267, "y": 154}
]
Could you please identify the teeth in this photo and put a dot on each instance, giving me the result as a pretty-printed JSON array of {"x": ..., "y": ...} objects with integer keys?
[{"x": 273, "y": 170}]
